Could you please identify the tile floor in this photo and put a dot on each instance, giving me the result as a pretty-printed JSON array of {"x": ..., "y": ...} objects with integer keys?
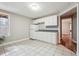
[{"x": 34, "y": 48}]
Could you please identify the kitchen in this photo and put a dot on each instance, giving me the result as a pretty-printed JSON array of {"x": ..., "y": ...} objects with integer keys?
[{"x": 45, "y": 29}]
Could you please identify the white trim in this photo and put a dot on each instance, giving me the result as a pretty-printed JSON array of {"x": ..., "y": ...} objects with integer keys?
[
  {"x": 77, "y": 29},
  {"x": 9, "y": 25},
  {"x": 59, "y": 29},
  {"x": 13, "y": 42}
]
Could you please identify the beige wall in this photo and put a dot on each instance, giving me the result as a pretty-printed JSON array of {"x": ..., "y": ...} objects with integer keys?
[{"x": 19, "y": 27}]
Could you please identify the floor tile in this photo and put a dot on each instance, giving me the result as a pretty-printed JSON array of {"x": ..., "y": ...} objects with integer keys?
[{"x": 34, "y": 48}]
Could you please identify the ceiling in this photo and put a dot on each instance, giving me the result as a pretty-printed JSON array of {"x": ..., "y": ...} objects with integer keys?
[{"x": 46, "y": 8}]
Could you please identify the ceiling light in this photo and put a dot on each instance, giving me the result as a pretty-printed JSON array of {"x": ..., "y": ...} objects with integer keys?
[{"x": 34, "y": 6}]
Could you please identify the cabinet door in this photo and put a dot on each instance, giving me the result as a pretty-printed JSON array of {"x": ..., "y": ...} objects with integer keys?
[
  {"x": 41, "y": 20},
  {"x": 35, "y": 21},
  {"x": 51, "y": 21},
  {"x": 31, "y": 34},
  {"x": 51, "y": 38},
  {"x": 54, "y": 38}
]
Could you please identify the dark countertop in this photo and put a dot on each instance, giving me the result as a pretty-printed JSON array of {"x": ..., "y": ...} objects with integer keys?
[{"x": 47, "y": 31}]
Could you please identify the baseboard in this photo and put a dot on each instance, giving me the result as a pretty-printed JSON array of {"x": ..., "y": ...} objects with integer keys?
[{"x": 13, "y": 42}]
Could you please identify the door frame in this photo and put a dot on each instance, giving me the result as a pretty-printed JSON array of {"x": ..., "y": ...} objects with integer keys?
[
  {"x": 74, "y": 6},
  {"x": 61, "y": 18}
]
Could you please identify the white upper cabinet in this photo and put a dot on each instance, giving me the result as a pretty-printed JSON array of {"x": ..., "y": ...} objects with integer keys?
[
  {"x": 35, "y": 21},
  {"x": 41, "y": 20},
  {"x": 51, "y": 21},
  {"x": 48, "y": 21}
]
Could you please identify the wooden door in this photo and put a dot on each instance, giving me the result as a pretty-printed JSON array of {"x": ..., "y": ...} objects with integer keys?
[{"x": 66, "y": 32}]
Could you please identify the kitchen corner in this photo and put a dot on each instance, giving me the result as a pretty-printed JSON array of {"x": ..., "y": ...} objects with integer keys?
[{"x": 45, "y": 29}]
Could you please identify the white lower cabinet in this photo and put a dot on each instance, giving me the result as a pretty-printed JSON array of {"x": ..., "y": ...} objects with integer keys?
[
  {"x": 50, "y": 37},
  {"x": 33, "y": 35}
]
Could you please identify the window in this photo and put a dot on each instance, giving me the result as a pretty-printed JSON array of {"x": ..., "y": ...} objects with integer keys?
[{"x": 4, "y": 25}]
